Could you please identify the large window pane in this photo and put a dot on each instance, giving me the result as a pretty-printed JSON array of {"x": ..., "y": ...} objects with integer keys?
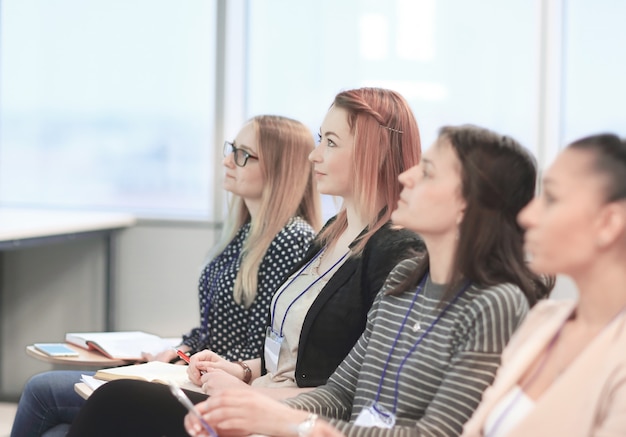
[
  {"x": 594, "y": 68},
  {"x": 455, "y": 61},
  {"x": 107, "y": 104}
]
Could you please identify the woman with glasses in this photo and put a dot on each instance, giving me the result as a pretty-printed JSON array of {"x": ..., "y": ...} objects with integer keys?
[
  {"x": 274, "y": 213},
  {"x": 368, "y": 137}
]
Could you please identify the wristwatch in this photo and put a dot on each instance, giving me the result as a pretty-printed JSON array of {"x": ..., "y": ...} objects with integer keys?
[
  {"x": 305, "y": 428},
  {"x": 247, "y": 372}
]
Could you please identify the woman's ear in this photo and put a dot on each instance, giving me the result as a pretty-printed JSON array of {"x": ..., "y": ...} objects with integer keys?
[{"x": 611, "y": 225}]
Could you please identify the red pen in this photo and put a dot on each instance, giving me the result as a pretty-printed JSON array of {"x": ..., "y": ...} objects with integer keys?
[
  {"x": 186, "y": 359},
  {"x": 183, "y": 356}
]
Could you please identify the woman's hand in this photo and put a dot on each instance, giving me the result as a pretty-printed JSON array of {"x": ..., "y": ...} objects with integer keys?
[
  {"x": 235, "y": 413},
  {"x": 205, "y": 361},
  {"x": 217, "y": 379}
]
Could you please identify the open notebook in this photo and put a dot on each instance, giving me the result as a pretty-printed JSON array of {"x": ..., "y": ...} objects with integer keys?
[
  {"x": 124, "y": 345},
  {"x": 154, "y": 371}
]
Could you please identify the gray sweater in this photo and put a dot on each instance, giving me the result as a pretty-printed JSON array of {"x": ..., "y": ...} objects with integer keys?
[{"x": 442, "y": 380}]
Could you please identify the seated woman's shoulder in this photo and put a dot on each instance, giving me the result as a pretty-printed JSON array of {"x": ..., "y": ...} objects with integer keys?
[
  {"x": 297, "y": 223},
  {"x": 298, "y": 228},
  {"x": 512, "y": 293},
  {"x": 399, "y": 232},
  {"x": 397, "y": 241},
  {"x": 501, "y": 291},
  {"x": 506, "y": 299},
  {"x": 402, "y": 271}
]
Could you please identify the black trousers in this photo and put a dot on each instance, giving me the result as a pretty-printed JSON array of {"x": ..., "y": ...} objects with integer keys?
[{"x": 132, "y": 408}]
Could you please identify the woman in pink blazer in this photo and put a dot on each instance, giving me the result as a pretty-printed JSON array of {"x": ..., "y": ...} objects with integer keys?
[{"x": 564, "y": 371}]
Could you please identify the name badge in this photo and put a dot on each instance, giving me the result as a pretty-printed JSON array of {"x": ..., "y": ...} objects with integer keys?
[
  {"x": 375, "y": 415},
  {"x": 273, "y": 341}
]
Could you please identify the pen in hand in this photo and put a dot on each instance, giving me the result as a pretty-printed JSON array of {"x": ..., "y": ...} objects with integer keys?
[
  {"x": 183, "y": 399},
  {"x": 186, "y": 359},
  {"x": 183, "y": 356}
]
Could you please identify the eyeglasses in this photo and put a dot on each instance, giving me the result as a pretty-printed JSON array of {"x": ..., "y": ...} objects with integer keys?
[{"x": 241, "y": 156}]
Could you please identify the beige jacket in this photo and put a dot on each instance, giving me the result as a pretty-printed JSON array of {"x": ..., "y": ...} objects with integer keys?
[{"x": 589, "y": 399}]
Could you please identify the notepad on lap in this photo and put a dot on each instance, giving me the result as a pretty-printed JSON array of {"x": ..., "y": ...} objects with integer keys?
[
  {"x": 125, "y": 345},
  {"x": 154, "y": 371}
]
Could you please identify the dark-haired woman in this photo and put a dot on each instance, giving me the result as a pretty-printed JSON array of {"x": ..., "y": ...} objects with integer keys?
[
  {"x": 434, "y": 336},
  {"x": 564, "y": 374}
]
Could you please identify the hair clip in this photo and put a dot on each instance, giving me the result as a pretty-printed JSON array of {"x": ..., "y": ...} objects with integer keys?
[{"x": 398, "y": 131}]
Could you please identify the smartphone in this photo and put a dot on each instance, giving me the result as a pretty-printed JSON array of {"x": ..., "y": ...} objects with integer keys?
[
  {"x": 56, "y": 349},
  {"x": 183, "y": 399}
]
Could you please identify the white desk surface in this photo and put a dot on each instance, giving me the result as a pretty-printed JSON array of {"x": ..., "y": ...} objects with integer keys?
[{"x": 17, "y": 224}]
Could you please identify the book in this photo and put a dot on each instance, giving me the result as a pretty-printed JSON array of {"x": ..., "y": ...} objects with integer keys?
[
  {"x": 154, "y": 371},
  {"x": 92, "y": 382},
  {"x": 123, "y": 345}
]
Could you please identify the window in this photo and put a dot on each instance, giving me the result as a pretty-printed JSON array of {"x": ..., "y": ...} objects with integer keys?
[
  {"x": 594, "y": 68},
  {"x": 453, "y": 61},
  {"x": 110, "y": 103},
  {"x": 107, "y": 104}
]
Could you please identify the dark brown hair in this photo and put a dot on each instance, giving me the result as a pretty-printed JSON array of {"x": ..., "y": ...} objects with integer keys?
[
  {"x": 497, "y": 180},
  {"x": 610, "y": 160}
]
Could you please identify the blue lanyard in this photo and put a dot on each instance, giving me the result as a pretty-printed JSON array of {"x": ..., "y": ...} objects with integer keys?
[
  {"x": 417, "y": 343},
  {"x": 304, "y": 291}
]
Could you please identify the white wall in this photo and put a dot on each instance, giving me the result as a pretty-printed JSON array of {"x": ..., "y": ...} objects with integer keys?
[{"x": 157, "y": 277}]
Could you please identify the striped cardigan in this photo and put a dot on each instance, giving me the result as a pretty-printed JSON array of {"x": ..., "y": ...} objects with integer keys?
[{"x": 442, "y": 380}]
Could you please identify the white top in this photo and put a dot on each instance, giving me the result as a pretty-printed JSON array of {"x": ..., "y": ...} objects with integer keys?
[
  {"x": 508, "y": 412},
  {"x": 285, "y": 375}
]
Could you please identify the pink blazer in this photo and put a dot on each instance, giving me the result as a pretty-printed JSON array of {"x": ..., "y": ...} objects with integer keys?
[{"x": 589, "y": 398}]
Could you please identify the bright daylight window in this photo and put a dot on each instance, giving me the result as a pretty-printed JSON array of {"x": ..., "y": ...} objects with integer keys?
[
  {"x": 455, "y": 61},
  {"x": 107, "y": 104},
  {"x": 594, "y": 68}
]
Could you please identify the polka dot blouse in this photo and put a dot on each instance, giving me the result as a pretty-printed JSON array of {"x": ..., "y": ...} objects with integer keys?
[{"x": 227, "y": 328}]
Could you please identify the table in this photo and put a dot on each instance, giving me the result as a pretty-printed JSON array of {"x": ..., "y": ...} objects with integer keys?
[{"x": 20, "y": 228}]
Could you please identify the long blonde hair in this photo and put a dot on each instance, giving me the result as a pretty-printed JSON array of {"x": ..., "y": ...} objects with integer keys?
[
  {"x": 283, "y": 146},
  {"x": 386, "y": 143}
]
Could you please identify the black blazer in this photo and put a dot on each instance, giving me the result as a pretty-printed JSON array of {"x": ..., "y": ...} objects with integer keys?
[{"x": 338, "y": 315}]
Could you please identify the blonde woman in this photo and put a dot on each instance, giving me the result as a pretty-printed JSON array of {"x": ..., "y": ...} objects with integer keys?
[
  {"x": 274, "y": 214},
  {"x": 273, "y": 217}
]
